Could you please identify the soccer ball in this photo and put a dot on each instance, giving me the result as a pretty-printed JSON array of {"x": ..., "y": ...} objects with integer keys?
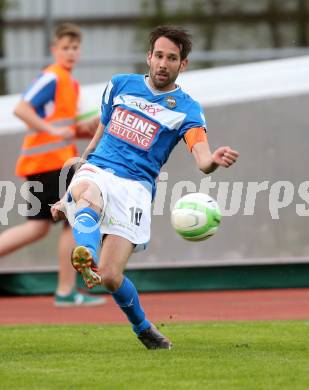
[{"x": 196, "y": 216}]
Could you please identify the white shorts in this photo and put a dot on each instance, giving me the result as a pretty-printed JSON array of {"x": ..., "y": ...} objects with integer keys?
[{"x": 127, "y": 205}]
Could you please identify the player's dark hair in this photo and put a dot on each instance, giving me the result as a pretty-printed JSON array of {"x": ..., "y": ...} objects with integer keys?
[
  {"x": 178, "y": 35},
  {"x": 67, "y": 30}
]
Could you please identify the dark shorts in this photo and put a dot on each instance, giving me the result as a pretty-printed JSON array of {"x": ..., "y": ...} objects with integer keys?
[{"x": 48, "y": 182}]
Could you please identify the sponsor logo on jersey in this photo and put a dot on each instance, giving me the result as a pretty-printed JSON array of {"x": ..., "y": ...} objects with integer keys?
[
  {"x": 133, "y": 128},
  {"x": 149, "y": 108},
  {"x": 162, "y": 114}
]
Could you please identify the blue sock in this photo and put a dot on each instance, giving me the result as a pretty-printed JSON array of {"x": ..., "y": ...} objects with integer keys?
[
  {"x": 127, "y": 299},
  {"x": 86, "y": 230}
]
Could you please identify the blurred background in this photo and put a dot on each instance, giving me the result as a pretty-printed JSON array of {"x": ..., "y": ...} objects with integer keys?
[
  {"x": 249, "y": 68},
  {"x": 115, "y": 33}
]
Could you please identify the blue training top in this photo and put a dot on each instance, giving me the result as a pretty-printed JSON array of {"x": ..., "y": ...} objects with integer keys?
[{"x": 142, "y": 127}]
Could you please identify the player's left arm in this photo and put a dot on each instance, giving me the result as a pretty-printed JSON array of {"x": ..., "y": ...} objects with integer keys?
[{"x": 197, "y": 143}]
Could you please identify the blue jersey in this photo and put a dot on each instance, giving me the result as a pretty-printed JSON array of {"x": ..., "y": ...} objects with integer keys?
[{"x": 142, "y": 127}]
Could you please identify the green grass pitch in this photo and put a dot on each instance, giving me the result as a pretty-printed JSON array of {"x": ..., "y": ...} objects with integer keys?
[{"x": 212, "y": 356}]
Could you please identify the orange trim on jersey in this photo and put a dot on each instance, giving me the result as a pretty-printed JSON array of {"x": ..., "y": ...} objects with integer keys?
[{"x": 195, "y": 135}]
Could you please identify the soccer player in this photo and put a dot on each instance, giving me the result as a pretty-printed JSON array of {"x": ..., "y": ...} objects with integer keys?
[
  {"x": 49, "y": 109},
  {"x": 143, "y": 118}
]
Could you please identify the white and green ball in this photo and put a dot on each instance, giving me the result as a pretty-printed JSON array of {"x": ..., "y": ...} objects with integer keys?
[{"x": 196, "y": 216}]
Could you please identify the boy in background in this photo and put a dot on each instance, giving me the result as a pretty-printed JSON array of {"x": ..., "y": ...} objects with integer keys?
[{"x": 49, "y": 109}]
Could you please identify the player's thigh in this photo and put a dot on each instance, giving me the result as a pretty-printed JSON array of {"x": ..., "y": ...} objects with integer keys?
[{"x": 114, "y": 256}]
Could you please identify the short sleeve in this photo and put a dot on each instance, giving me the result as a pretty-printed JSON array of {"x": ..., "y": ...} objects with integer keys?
[
  {"x": 41, "y": 91},
  {"x": 195, "y": 118}
]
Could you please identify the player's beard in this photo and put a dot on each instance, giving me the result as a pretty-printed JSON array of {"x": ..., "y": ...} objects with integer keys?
[{"x": 169, "y": 80}]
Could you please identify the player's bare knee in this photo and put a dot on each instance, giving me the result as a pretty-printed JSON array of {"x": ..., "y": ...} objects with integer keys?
[
  {"x": 87, "y": 194},
  {"x": 93, "y": 199},
  {"x": 110, "y": 285},
  {"x": 111, "y": 280},
  {"x": 78, "y": 189}
]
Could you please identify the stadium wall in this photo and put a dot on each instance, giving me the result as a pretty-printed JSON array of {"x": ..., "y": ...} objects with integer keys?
[{"x": 174, "y": 279}]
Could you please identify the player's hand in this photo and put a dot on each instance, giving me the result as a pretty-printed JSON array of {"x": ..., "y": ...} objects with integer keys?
[
  {"x": 58, "y": 211},
  {"x": 64, "y": 132},
  {"x": 225, "y": 156}
]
